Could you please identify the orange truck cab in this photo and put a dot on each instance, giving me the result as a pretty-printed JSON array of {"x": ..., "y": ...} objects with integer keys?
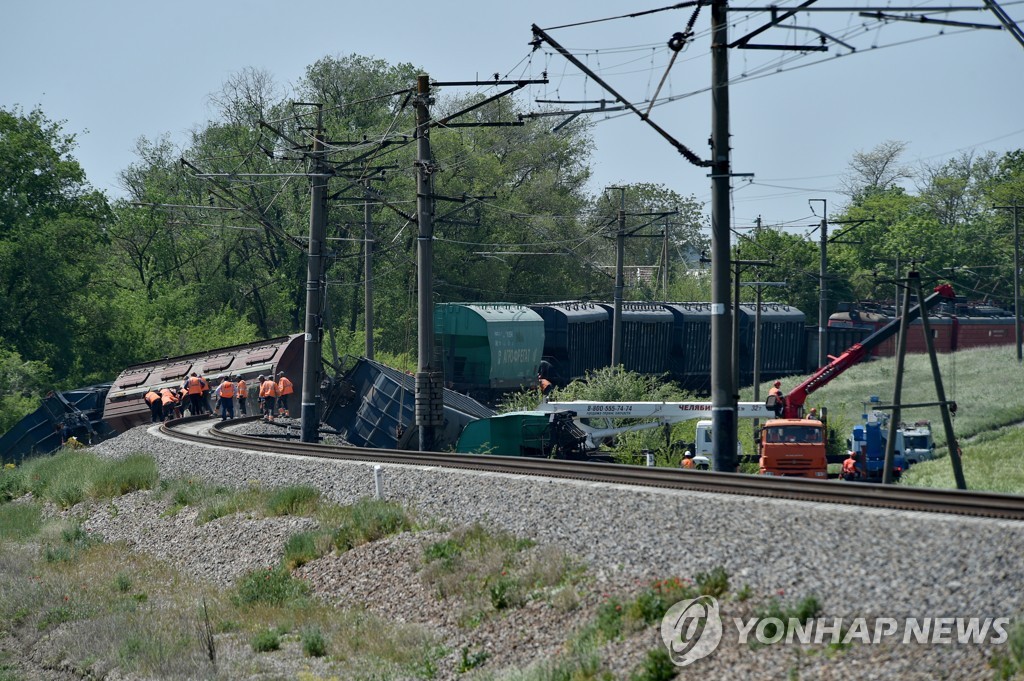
[{"x": 793, "y": 448}]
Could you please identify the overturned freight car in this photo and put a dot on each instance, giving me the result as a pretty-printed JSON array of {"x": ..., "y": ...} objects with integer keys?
[
  {"x": 74, "y": 413},
  {"x": 373, "y": 405},
  {"x": 125, "y": 407}
]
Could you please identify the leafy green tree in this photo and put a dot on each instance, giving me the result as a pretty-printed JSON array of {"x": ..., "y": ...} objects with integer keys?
[
  {"x": 645, "y": 204},
  {"x": 51, "y": 231},
  {"x": 22, "y": 384},
  {"x": 795, "y": 261}
]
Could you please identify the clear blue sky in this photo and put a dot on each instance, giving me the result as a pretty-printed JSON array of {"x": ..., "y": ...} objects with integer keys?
[{"x": 116, "y": 70}]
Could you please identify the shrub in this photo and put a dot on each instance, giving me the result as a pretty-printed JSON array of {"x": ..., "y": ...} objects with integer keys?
[
  {"x": 303, "y": 547},
  {"x": 368, "y": 520},
  {"x": 657, "y": 666},
  {"x": 12, "y": 483},
  {"x": 609, "y": 619},
  {"x": 313, "y": 643},
  {"x": 807, "y": 608},
  {"x": 505, "y": 592},
  {"x": 714, "y": 583},
  {"x": 123, "y": 582},
  {"x": 266, "y": 641},
  {"x": 274, "y": 586},
  {"x": 296, "y": 500},
  {"x": 471, "y": 660}
]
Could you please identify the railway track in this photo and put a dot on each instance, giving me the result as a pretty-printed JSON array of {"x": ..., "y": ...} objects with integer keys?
[{"x": 205, "y": 430}]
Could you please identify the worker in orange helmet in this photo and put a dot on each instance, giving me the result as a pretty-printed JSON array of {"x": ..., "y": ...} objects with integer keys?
[
  {"x": 850, "y": 467},
  {"x": 284, "y": 389},
  {"x": 268, "y": 394}
]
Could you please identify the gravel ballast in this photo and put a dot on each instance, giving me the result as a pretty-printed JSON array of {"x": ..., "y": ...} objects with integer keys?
[{"x": 856, "y": 561}]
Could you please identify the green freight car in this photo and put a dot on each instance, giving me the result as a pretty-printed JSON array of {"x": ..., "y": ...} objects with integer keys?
[{"x": 488, "y": 348}]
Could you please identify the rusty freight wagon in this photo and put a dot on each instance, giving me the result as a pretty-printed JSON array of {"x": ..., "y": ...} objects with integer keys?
[{"x": 125, "y": 407}]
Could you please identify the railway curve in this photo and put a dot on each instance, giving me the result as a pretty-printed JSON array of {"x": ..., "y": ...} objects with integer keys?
[{"x": 208, "y": 431}]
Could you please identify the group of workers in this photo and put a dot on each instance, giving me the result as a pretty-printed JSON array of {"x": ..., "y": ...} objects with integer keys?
[{"x": 194, "y": 395}]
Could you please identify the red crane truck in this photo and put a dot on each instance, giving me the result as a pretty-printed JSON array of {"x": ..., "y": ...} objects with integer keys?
[{"x": 792, "y": 445}]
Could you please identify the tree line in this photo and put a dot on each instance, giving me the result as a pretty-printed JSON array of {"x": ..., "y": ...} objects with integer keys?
[{"x": 206, "y": 247}]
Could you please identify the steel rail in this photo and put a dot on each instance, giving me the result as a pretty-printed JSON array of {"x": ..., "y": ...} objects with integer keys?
[{"x": 920, "y": 499}]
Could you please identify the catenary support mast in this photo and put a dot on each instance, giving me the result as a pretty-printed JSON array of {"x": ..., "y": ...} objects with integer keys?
[
  {"x": 312, "y": 363},
  {"x": 429, "y": 388},
  {"x": 723, "y": 400}
]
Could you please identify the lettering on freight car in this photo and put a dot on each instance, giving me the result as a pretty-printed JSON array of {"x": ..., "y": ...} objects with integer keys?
[{"x": 515, "y": 355}]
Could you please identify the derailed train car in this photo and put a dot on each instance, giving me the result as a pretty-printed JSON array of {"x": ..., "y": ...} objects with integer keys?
[
  {"x": 374, "y": 405},
  {"x": 74, "y": 413},
  {"x": 125, "y": 408}
]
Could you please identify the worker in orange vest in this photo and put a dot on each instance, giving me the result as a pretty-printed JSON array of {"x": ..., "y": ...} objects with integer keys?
[
  {"x": 243, "y": 394},
  {"x": 169, "y": 403},
  {"x": 284, "y": 389},
  {"x": 194, "y": 389},
  {"x": 226, "y": 399},
  {"x": 780, "y": 399},
  {"x": 268, "y": 395},
  {"x": 156, "y": 409},
  {"x": 850, "y": 468},
  {"x": 688, "y": 461}
]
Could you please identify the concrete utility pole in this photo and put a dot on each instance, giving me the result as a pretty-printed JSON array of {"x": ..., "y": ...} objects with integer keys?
[
  {"x": 368, "y": 270},
  {"x": 823, "y": 286},
  {"x": 1016, "y": 277},
  {"x": 620, "y": 256},
  {"x": 312, "y": 365},
  {"x": 723, "y": 400},
  {"x": 429, "y": 382}
]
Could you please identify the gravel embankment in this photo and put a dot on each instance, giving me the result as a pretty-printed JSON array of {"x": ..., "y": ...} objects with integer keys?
[{"x": 858, "y": 562}]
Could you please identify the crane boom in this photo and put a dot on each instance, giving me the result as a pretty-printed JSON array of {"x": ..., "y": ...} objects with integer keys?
[{"x": 794, "y": 402}]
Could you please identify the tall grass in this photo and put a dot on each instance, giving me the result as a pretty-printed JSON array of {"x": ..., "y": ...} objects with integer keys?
[
  {"x": 69, "y": 477},
  {"x": 19, "y": 521},
  {"x": 294, "y": 500},
  {"x": 365, "y": 521},
  {"x": 992, "y": 462},
  {"x": 970, "y": 377},
  {"x": 114, "y": 478}
]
